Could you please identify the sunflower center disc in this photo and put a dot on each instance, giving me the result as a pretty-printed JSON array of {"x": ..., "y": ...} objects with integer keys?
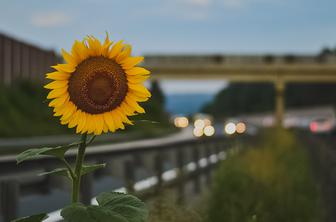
[{"x": 98, "y": 85}]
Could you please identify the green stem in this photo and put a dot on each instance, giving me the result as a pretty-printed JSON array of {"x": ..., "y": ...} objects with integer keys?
[
  {"x": 78, "y": 168},
  {"x": 91, "y": 140},
  {"x": 72, "y": 174}
]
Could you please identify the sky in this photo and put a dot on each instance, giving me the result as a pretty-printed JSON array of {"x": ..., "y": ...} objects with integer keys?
[{"x": 177, "y": 26}]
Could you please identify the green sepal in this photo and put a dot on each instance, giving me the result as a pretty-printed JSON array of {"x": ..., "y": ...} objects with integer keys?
[
  {"x": 116, "y": 207},
  {"x": 33, "y": 218}
]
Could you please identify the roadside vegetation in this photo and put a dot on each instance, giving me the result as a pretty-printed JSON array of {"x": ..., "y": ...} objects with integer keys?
[
  {"x": 269, "y": 181},
  {"x": 272, "y": 181}
]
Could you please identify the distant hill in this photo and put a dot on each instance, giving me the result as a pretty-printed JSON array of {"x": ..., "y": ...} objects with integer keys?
[{"x": 186, "y": 103}]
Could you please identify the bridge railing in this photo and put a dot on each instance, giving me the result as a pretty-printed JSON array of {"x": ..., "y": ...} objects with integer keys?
[{"x": 167, "y": 163}]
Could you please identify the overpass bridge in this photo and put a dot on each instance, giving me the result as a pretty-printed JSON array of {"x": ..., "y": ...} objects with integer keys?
[{"x": 279, "y": 70}]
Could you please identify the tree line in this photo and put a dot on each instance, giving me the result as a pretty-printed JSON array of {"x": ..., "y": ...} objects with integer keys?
[{"x": 247, "y": 98}]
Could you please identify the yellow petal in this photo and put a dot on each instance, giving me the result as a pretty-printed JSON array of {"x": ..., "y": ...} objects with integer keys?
[
  {"x": 124, "y": 117},
  {"x": 81, "y": 127},
  {"x": 137, "y": 79},
  {"x": 139, "y": 88},
  {"x": 105, "y": 128},
  {"x": 70, "y": 109},
  {"x": 91, "y": 126},
  {"x": 94, "y": 46},
  {"x": 58, "y": 75},
  {"x": 57, "y": 92},
  {"x": 109, "y": 121},
  {"x": 68, "y": 58},
  {"x": 137, "y": 98},
  {"x": 134, "y": 104},
  {"x": 137, "y": 71},
  {"x": 131, "y": 62},
  {"x": 106, "y": 46},
  {"x": 127, "y": 108},
  {"x": 57, "y": 84},
  {"x": 68, "y": 68},
  {"x": 60, "y": 110},
  {"x": 59, "y": 101},
  {"x": 124, "y": 54},
  {"x": 64, "y": 122},
  {"x": 80, "y": 51},
  {"x": 117, "y": 120},
  {"x": 116, "y": 48},
  {"x": 74, "y": 120},
  {"x": 99, "y": 121}
]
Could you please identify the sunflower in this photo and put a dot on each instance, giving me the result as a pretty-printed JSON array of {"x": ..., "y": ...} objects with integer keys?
[{"x": 98, "y": 87}]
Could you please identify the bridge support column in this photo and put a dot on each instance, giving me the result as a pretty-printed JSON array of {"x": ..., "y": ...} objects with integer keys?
[{"x": 279, "y": 102}]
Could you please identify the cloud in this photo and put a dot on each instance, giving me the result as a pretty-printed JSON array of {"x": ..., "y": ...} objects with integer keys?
[{"x": 50, "y": 19}]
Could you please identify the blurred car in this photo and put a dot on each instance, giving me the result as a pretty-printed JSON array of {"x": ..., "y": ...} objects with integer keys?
[{"x": 322, "y": 126}]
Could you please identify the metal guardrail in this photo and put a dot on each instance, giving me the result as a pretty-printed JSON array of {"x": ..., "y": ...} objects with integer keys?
[{"x": 16, "y": 181}]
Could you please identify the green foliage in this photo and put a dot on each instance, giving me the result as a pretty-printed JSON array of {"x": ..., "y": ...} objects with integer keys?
[
  {"x": 57, "y": 172},
  {"x": 270, "y": 182},
  {"x": 165, "y": 209},
  {"x": 116, "y": 207},
  {"x": 33, "y": 218},
  {"x": 243, "y": 98},
  {"x": 92, "y": 167},
  {"x": 58, "y": 152},
  {"x": 157, "y": 94},
  {"x": 238, "y": 97},
  {"x": 24, "y": 111}
]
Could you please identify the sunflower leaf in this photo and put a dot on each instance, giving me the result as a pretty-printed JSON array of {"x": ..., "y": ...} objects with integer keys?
[
  {"x": 57, "y": 172},
  {"x": 58, "y": 152},
  {"x": 116, "y": 207},
  {"x": 33, "y": 218},
  {"x": 90, "y": 168},
  {"x": 31, "y": 154}
]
